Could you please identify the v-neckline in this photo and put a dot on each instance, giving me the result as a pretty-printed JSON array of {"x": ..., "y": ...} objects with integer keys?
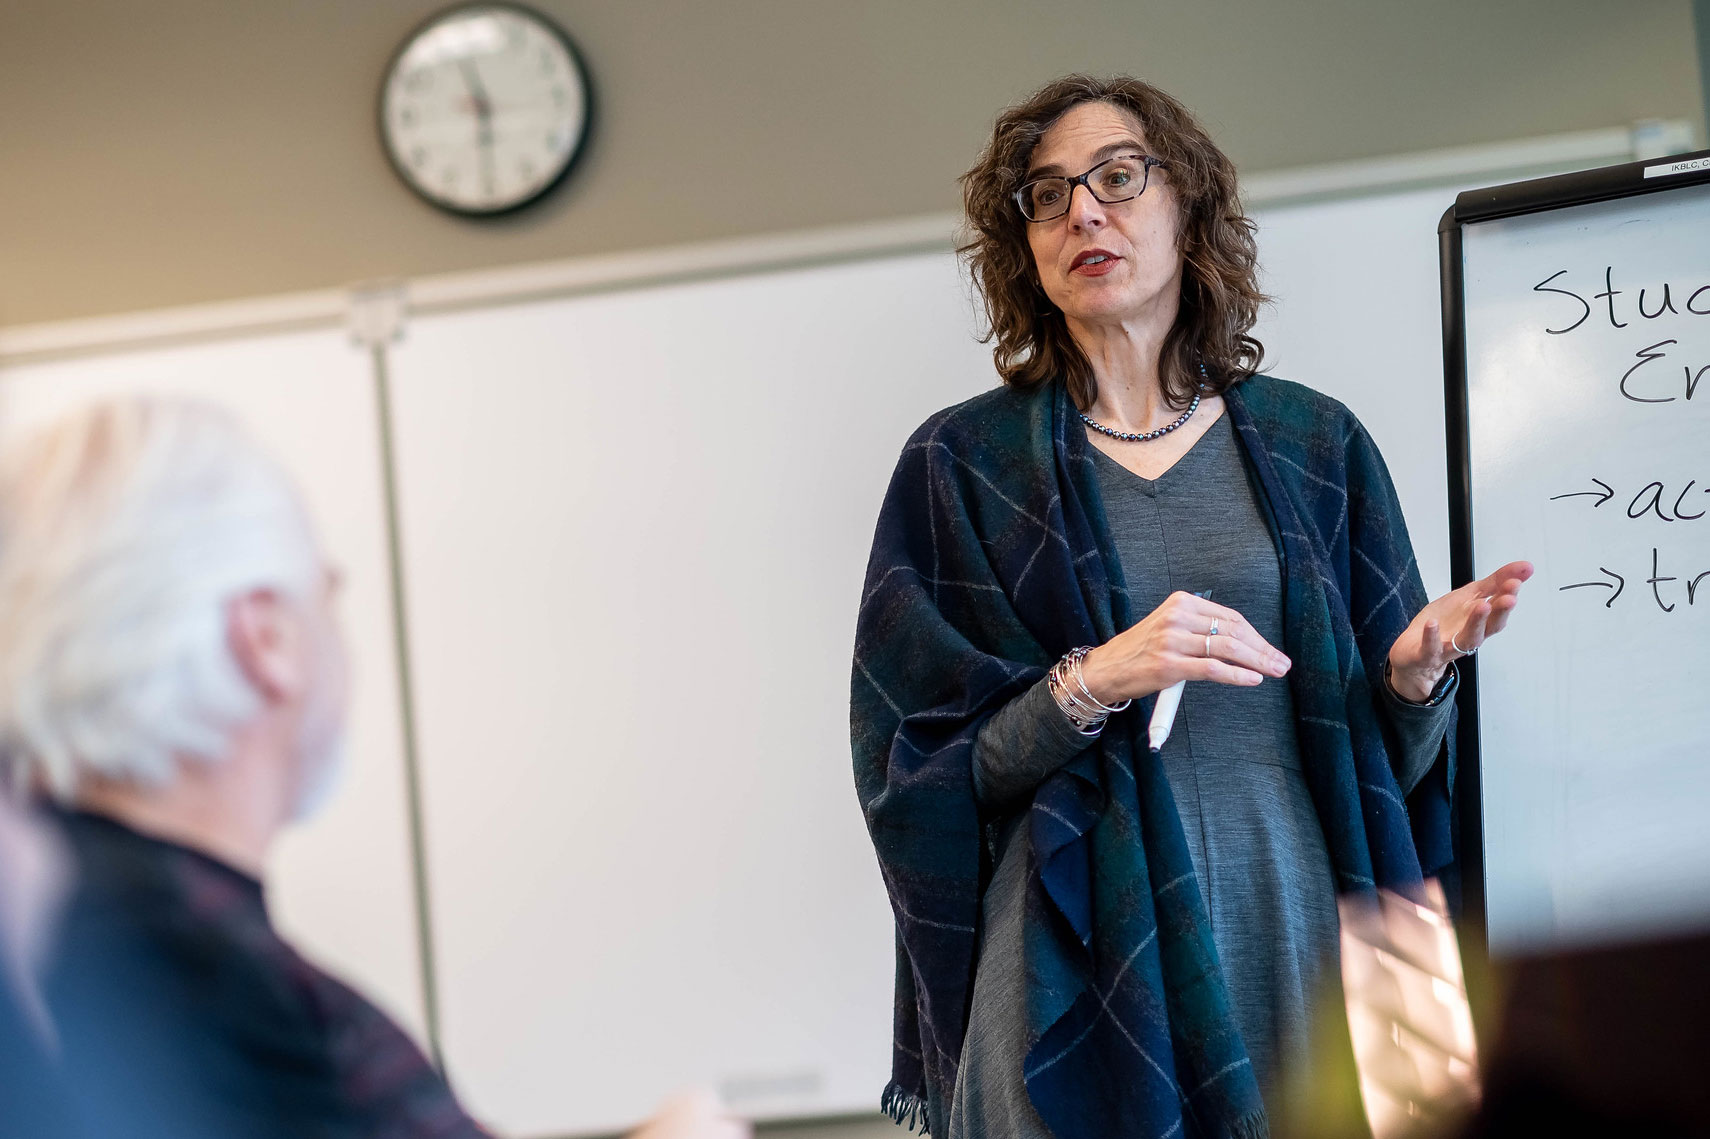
[{"x": 1151, "y": 485}]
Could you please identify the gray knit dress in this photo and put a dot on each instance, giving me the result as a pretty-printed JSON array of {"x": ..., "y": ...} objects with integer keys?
[{"x": 1233, "y": 766}]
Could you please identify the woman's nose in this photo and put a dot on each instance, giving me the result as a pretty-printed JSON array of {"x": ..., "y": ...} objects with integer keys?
[{"x": 1085, "y": 211}]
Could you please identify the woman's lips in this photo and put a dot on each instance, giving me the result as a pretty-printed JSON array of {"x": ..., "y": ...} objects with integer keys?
[{"x": 1094, "y": 263}]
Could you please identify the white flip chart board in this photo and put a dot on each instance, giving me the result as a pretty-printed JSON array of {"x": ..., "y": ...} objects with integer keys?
[
  {"x": 340, "y": 886},
  {"x": 1587, "y": 444}
]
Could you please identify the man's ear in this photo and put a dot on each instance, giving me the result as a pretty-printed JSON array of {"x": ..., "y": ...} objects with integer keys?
[{"x": 265, "y": 635}]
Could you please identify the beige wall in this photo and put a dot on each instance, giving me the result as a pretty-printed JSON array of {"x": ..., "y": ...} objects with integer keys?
[{"x": 161, "y": 152}]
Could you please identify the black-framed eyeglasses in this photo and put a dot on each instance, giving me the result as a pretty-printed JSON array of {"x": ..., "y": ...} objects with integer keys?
[{"x": 1119, "y": 179}]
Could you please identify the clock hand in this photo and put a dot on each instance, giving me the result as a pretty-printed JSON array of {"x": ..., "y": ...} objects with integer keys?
[
  {"x": 483, "y": 117},
  {"x": 477, "y": 90}
]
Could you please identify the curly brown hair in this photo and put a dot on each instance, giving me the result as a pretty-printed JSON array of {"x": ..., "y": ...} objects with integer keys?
[{"x": 1220, "y": 293}]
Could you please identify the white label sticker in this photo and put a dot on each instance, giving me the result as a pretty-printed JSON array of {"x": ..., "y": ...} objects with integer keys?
[{"x": 1680, "y": 167}]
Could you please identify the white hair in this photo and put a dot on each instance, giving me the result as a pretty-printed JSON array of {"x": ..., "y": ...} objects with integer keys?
[{"x": 126, "y": 530}]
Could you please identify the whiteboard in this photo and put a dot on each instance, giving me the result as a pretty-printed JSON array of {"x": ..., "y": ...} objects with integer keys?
[
  {"x": 339, "y": 886},
  {"x": 1592, "y": 725},
  {"x": 635, "y": 531}
]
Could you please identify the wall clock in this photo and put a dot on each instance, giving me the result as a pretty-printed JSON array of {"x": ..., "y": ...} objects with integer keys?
[{"x": 485, "y": 108}]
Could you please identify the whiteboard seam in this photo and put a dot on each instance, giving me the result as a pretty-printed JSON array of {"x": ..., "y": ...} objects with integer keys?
[{"x": 407, "y": 704}]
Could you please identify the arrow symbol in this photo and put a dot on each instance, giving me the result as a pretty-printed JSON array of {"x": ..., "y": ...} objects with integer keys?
[
  {"x": 1602, "y": 496},
  {"x": 1620, "y": 582}
]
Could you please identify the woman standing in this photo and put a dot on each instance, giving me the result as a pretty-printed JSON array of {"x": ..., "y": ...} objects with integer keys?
[{"x": 1094, "y": 941}]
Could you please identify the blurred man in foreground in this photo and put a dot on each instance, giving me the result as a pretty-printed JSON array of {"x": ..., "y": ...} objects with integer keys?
[{"x": 171, "y": 672}]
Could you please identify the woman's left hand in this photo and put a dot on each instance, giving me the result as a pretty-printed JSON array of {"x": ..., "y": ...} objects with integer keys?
[{"x": 1454, "y": 625}]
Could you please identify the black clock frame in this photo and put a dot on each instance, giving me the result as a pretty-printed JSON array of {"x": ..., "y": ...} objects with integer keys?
[{"x": 582, "y": 77}]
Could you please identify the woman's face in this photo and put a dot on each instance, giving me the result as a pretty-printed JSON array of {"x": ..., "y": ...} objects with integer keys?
[{"x": 1139, "y": 239}]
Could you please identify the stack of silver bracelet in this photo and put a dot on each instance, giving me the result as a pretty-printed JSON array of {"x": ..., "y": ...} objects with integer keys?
[{"x": 1084, "y": 710}]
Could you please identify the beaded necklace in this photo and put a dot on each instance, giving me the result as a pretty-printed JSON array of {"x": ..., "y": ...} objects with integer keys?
[{"x": 1145, "y": 436}]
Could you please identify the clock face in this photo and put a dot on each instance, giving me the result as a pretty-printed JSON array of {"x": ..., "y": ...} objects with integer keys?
[{"x": 485, "y": 108}]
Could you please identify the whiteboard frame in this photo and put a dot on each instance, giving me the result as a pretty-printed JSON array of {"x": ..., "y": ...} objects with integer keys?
[{"x": 1538, "y": 195}]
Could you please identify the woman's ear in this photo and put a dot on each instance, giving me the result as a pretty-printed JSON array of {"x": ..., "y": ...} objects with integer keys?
[{"x": 265, "y": 635}]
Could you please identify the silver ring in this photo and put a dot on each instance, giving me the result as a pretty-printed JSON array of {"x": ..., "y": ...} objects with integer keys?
[
  {"x": 1213, "y": 632},
  {"x": 1463, "y": 652},
  {"x": 1208, "y": 645}
]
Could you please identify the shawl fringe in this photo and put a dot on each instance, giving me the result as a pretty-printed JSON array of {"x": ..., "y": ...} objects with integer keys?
[
  {"x": 906, "y": 1108},
  {"x": 1254, "y": 1125}
]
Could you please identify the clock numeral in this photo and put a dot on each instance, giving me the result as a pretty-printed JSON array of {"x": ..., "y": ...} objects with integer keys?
[{"x": 418, "y": 156}]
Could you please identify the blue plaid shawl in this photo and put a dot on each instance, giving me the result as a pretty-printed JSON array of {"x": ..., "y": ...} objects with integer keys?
[{"x": 992, "y": 558}]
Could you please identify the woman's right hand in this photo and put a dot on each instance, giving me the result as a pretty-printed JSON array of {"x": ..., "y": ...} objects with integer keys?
[{"x": 1171, "y": 643}]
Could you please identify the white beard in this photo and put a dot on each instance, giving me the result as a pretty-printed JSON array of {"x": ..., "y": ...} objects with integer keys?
[
  {"x": 320, "y": 740},
  {"x": 320, "y": 774}
]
